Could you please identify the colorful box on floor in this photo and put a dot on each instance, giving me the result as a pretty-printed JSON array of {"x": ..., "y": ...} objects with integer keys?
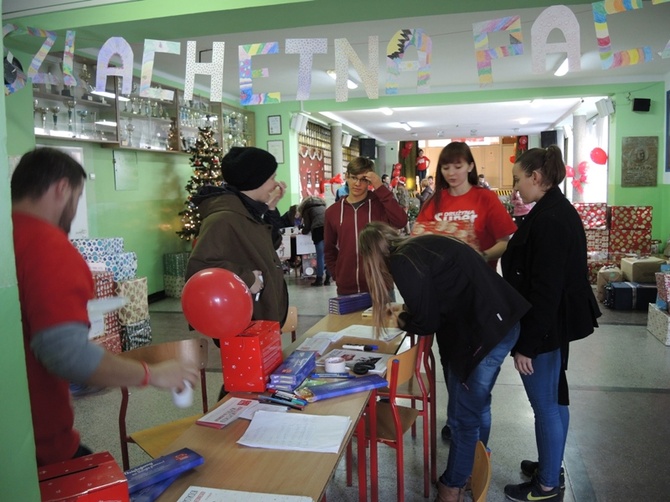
[
  {"x": 249, "y": 358},
  {"x": 663, "y": 285},
  {"x": 162, "y": 468},
  {"x": 136, "y": 293},
  {"x": 658, "y": 324},
  {"x": 94, "y": 249},
  {"x": 594, "y": 267},
  {"x": 103, "y": 282},
  {"x": 175, "y": 263},
  {"x": 136, "y": 335},
  {"x": 122, "y": 265},
  {"x": 173, "y": 285},
  {"x": 606, "y": 275},
  {"x": 630, "y": 241},
  {"x": 641, "y": 269},
  {"x": 597, "y": 241},
  {"x": 629, "y": 295},
  {"x": 95, "y": 477},
  {"x": 631, "y": 217},
  {"x": 111, "y": 342},
  {"x": 593, "y": 215}
]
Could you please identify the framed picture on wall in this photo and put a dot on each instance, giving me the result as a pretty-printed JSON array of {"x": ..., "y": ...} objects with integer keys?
[
  {"x": 274, "y": 125},
  {"x": 276, "y": 148}
]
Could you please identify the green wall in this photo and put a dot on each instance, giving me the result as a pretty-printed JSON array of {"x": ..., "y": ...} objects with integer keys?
[{"x": 18, "y": 475}]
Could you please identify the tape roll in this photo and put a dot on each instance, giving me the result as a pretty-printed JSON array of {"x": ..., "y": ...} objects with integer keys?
[
  {"x": 335, "y": 365},
  {"x": 183, "y": 399}
]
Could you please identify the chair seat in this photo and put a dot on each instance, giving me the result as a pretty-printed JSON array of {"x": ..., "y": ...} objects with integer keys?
[
  {"x": 385, "y": 427},
  {"x": 155, "y": 440}
]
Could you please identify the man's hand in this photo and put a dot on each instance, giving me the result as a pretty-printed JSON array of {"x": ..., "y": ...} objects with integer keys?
[
  {"x": 171, "y": 375},
  {"x": 276, "y": 195},
  {"x": 258, "y": 285},
  {"x": 374, "y": 179}
]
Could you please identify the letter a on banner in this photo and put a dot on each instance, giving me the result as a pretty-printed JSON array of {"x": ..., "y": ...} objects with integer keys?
[
  {"x": 557, "y": 17},
  {"x": 115, "y": 46},
  {"x": 213, "y": 69},
  {"x": 395, "y": 52},
  {"x": 483, "y": 50}
]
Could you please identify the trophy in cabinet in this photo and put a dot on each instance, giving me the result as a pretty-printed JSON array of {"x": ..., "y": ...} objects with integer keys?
[
  {"x": 82, "y": 118},
  {"x": 130, "y": 127},
  {"x": 70, "y": 103},
  {"x": 43, "y": 114},
  {"x": 54, "y": 113},
  {"x": 85, "y": 77}
]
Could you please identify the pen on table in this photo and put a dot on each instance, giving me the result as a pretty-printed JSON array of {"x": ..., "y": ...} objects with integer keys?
[
  {"x": 356, "y": 346},
  {"x": 332, "y": 375}
]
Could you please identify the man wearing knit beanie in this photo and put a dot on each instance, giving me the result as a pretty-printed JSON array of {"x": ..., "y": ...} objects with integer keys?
[{"x": 240, "y": 229}]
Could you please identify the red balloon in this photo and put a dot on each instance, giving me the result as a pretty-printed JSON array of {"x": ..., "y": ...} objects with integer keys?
[
  {"x": 598, "y": 156},
  {"x": 217, "y": 303},
  {"x": 569, "y": 172},
  {"x": 582, "y": 167},
  {"x": 512, "y": 159}
]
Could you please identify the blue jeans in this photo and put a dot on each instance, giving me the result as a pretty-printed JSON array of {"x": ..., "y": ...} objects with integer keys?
[
  {"x": 469, "y": 410},
  {"x": 320, "y": 267},
  {"x": 551, "y": 419}
]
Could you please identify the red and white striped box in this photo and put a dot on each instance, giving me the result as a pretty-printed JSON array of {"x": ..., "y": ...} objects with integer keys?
[{"x": 631, "y": 217}]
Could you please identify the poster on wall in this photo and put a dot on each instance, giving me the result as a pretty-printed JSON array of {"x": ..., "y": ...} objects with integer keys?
[{"x": 639, "y": 161}]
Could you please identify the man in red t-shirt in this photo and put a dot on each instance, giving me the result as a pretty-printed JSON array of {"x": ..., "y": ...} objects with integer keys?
[
  {"x": 55, "y": 285},
  {"x": 422, "y": 165}
]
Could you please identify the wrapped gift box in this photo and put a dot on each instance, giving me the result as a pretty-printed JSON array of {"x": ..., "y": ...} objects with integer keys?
[
  {"x": 136, "y": 335},
  {"x": 249, "y": 358},
  {"x": 593, "y": 215},
  {"x": 103, "y": 282},
  {"x": 629, "y": 295},
  {"x": 112, "y": 323},
  {"x": 122, "y": 265},
  {"x": 663, "y": 285},
  {"x": 594, "y": 267},
  {"x": 94, "y": 249},
  {"x": 111, "y": 341},
  {"x": 175, "y": 263},
  {"x": 136, "y": 292},
  {"x": 641, "y": 269},
  {"x": 606, "y": 275},
  {"x": 658, "y": 324},
  {"x": 630, "y": 217},
  {"x": 630, "y": 241},
  {"x": 92, "y": 477},
  {"x": 597, "y": 240},
  {"x": 173, "y": 285}
]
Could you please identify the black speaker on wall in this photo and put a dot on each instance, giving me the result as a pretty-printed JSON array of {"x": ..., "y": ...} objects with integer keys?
[
  {"x": 367, "y": 147},
  {"x": 548, "y": 138},
  {"x": 641, "y": 104}
]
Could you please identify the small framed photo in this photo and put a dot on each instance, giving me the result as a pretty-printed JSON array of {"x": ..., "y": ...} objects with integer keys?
[
  {"x": 276, "y": 148},
  {"x": 274, "y": 125}
]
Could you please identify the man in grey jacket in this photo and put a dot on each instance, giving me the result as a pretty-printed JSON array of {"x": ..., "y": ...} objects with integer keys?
[{"x": 313, "y": 212}]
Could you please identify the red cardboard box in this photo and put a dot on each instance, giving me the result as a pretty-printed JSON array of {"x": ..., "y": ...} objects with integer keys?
[
  {"x": 93, "y": 478},
  {"x": 593, "y": 215},
  {"x": 111, "y": 342},
  {"x": 631, "y": 217},
  {"x": 249, "y": 358},
  {"x": 630, "y": 241},
  {"x": 103, "y": 282},
  {"x": 597, "y": 240}
]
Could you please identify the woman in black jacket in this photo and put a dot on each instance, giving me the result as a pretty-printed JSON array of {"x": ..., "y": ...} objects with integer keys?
[
  {"x": 545, "y": 261},
  {"x": 448, "y": 290}
]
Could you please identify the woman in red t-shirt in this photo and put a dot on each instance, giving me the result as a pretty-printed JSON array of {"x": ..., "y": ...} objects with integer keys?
[{"x": 462, "y": 209}]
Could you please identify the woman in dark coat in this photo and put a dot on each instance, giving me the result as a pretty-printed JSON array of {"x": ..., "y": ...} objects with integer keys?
[{"x": 545, "y": 261}]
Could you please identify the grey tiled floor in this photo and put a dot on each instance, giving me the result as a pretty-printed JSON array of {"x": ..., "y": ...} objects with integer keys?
[{"x": 618, "y": 445}]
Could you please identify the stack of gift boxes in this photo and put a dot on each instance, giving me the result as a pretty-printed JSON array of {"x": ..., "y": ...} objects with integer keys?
[
  {"x": 114, "y": 274},
  {"x": 174, "y": 270}
]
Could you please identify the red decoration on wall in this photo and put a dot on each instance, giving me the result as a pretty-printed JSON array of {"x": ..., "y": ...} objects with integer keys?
[
  {"x": 569, "y": 172},
  {"x": 577, "y": 184},
  {"x": 311, "y": 172},
  {"x": 583, "y": 167},
  {"x": 599, "y": 156}
]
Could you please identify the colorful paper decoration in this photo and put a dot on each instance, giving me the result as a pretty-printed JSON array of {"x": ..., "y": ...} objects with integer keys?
[
  {"x": 608, "y": 57},
  {"x": 485, "y": 53},
  {"x": 151, "y": 47},
  {"x": 395, "y": 52},
  {"x": 213, "y": 69},
  {"x": 20, "y": 79},
  {"x": 344, "y": 53},
  {"x": 69, "y": 80},
  {"x": 247, "y": 96},
  {"x": 306, "y": 48},
  {"x": 38, "y": 59},
  {"x": 115, "y": 46},
  {"x": 556, "y": 17},
  {"x": 599, "y": 156}
]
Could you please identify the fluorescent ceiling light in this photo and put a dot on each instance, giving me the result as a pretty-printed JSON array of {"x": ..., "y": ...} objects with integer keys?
[
  {"x": 350, "y": 83},
  {"x": 405, "y": 126},
  {"x": 523, "y": 121},
  {"x": 562, "y": 69},
  {"x": 386, "y": 111}
]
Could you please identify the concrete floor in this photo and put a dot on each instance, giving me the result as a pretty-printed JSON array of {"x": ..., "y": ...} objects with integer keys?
[{"x": 618, "y": 445}]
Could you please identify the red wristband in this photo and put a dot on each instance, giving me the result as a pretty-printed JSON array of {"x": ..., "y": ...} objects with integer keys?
[{"x": 147, "y": 375}]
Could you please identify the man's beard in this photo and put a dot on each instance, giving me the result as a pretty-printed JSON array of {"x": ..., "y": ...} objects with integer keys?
[{"x": 68, "y": 214}]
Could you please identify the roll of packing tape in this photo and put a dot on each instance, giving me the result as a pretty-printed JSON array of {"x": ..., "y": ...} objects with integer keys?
[
  {"x": 335, "y": 365},
  {"x": 183, "y": 399}
]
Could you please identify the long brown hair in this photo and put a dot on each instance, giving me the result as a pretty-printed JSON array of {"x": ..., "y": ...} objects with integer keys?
[
  {"x": 548, "y": 161},
  {"x": 374, "y": 245}
]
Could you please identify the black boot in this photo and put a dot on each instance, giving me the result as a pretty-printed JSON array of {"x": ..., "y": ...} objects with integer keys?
[
  {"x": 327, "y": 281},
  {"x": 318, "y": 282}
]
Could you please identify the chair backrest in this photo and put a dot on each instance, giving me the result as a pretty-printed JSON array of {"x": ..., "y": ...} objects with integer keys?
[
  {"x": 481, "y": 473},
  {"x": 291, "y": 323},
  {"x": 402, "y": 371}
]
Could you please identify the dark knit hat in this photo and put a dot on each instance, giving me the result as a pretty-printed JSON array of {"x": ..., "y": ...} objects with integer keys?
[{"x": 247, "y": 168}]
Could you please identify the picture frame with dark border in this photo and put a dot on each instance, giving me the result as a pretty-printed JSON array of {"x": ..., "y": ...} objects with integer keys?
[
  {"x": 276, "y": 148},
  {"x": 274, "y": 125}
]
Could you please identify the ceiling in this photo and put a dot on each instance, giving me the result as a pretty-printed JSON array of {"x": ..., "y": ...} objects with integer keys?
[{"x": 453, "y": 69}]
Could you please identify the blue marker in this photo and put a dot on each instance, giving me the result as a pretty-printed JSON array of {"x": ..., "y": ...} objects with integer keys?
[{"x": 356, "y": 346}]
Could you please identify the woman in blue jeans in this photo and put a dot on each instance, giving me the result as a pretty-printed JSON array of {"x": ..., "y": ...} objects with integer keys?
[
  {"x": 545, "y": 261},
  {"x": 448, "y": 290}
]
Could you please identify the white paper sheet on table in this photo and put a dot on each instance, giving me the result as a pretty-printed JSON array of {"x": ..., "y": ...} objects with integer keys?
[
  {"x": 329, "y": 335},
  {"x": 362, "y": 331},
  {"x": 297, "y": 432},
  {"x": 318, "y": 345},
  {"x": 203, "y": 494},
  {"x": 233, "y": 409}
]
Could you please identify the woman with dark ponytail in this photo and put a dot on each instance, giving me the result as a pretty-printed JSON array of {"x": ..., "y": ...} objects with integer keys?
[
  {"x": 449, "y": 290},
  {"x": 545, "y": 261}
]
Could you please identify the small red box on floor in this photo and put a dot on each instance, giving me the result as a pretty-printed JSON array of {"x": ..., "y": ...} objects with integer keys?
[
  {"x": 93, "y": 478},
  {"x": 249, "y": 358}
]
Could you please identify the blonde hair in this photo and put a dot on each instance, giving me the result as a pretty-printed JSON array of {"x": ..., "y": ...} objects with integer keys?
[{"x": 374, "y": 245}]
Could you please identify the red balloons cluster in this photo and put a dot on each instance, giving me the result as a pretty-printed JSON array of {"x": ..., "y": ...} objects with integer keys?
[
  {"x": 569, "y": 172},
  {"x": 396, "y": 170},
  {"x": 217, "y": 303},
  {"x": 598, "y": 156}
]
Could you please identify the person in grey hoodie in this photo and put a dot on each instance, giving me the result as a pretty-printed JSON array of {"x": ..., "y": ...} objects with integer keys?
[{"x": 313, "y": 212}]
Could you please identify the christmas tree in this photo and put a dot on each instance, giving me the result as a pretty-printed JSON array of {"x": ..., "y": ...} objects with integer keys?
[{"x": 206, "y": 162}]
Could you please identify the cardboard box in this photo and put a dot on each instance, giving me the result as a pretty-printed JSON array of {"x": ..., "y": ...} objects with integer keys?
[
  {"x": 94, "y": 478},
  {"x": 249, "y": 358},
  {"x": 606, "y": 275},
  {"x": 641, "y": 269},
  {"x": 658, "y": 324},
  {"x": 629, "y": 295}
]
